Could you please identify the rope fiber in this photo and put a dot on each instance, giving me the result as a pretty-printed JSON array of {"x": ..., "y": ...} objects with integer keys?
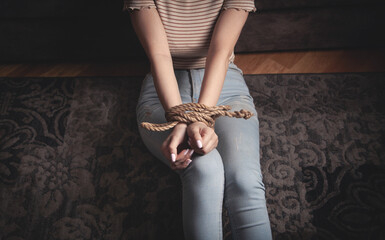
[{"x": 194, "y": 112}]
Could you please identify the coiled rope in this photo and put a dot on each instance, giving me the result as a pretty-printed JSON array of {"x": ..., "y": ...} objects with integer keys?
[{"x": 195, "y": 112}]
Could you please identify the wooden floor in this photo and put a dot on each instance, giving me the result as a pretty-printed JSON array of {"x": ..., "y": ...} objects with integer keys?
[{"x": 323, "y": 61}]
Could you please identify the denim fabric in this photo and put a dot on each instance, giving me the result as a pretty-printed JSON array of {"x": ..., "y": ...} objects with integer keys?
[{"x": 229, "y": 175}]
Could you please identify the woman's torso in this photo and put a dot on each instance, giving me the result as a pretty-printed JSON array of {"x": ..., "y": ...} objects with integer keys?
[{"x": 189, "y": 25}]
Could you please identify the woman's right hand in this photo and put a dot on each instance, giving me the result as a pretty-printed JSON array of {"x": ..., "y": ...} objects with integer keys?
[{"x": 176, "y": 149}]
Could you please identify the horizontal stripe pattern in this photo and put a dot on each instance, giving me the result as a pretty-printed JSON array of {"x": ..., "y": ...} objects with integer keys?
[{"x": 189, "y": 25}]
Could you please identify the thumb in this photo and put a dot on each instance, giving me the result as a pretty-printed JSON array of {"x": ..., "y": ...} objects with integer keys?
[{"x": 197, "y": 138}]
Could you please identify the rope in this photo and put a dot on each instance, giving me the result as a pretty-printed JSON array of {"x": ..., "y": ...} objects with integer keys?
[{"x": 195, "y": 112}]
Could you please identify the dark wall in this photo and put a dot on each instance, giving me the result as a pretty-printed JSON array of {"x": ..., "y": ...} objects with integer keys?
[
  {"x": 65, "y": 30},
  {"x": 98, "y": 30},
  {"x": 290, "y": 4}
]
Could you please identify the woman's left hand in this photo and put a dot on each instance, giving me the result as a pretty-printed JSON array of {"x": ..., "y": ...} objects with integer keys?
[{"x": 202, "y": 138}]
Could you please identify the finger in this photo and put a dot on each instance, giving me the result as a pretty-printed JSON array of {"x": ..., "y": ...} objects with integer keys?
[
  {"x": 187, "y": 163},
  {"x": 183, "y": 155},
  {"x": 184, "y": 164},
  {"x": 172, "y": 149},
  {"x": 207, "y": 135},
  {"x": 187, "y": 153},
  {"x": 196, "y": 138},
  {"x": 210, "y": 142},
  {"x": 180, "y": 163},
  {"x": 213, "y": 143}
]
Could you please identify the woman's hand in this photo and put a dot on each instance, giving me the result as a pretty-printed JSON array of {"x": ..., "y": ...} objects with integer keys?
[
  {"x": 202, "y": 138},
  {"x": 175, "y": 148}
]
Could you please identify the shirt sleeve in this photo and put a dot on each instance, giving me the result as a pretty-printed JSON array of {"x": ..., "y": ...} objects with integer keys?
[
  {"x": 247, "y": 5},
  {"x": 129, "y": 5}
]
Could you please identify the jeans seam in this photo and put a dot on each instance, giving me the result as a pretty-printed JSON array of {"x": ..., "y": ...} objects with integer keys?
[
  {"x": 232, "y": 225},
  {"x": 192, "y": 85},
  {"x": 221, "y": 209}
]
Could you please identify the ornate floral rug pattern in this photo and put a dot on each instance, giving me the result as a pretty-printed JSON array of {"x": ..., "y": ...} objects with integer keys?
[{"x": 72, "y": 165}]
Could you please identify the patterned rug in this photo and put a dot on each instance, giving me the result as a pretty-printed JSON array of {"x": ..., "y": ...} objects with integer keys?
[{"x": 72, "y": 165}]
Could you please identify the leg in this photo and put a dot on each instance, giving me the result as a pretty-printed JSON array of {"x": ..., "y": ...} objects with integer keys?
[
  {"x": 203, "y": 186},
  {"x": 244, "y": 189},
  {"x": 202, "y": 180},
  {"x": 239, "y": 149}
]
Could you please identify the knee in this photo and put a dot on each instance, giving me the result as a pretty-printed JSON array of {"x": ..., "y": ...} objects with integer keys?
[
  {"x": 205, "y": 170},
  {"x": 245, "y": 184}
]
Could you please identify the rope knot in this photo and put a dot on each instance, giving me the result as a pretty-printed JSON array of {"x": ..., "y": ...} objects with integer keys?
[{"x": 195, "y": 112}]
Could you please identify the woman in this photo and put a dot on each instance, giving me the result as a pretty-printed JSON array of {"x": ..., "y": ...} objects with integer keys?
[{"x": 190, "y": 47}]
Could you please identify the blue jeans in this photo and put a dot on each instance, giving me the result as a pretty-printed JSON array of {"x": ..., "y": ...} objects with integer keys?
[{"x": 229, "y": 175}]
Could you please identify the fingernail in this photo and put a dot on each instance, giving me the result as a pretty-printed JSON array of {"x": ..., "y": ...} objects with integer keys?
[
  {"x": 199, "y": 143},
  {"x": 189, "y": 161},
  {"x": 173, "y": 157},
  {"x": 191, "y": 152},
  {"x": 185, "y": 153}
]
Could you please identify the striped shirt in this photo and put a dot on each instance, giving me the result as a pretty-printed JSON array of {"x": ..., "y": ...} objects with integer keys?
[{"x": 189, "y": 25}]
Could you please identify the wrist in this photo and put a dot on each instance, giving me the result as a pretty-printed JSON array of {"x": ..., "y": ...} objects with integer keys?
[{"x": 181, "y": 125}]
